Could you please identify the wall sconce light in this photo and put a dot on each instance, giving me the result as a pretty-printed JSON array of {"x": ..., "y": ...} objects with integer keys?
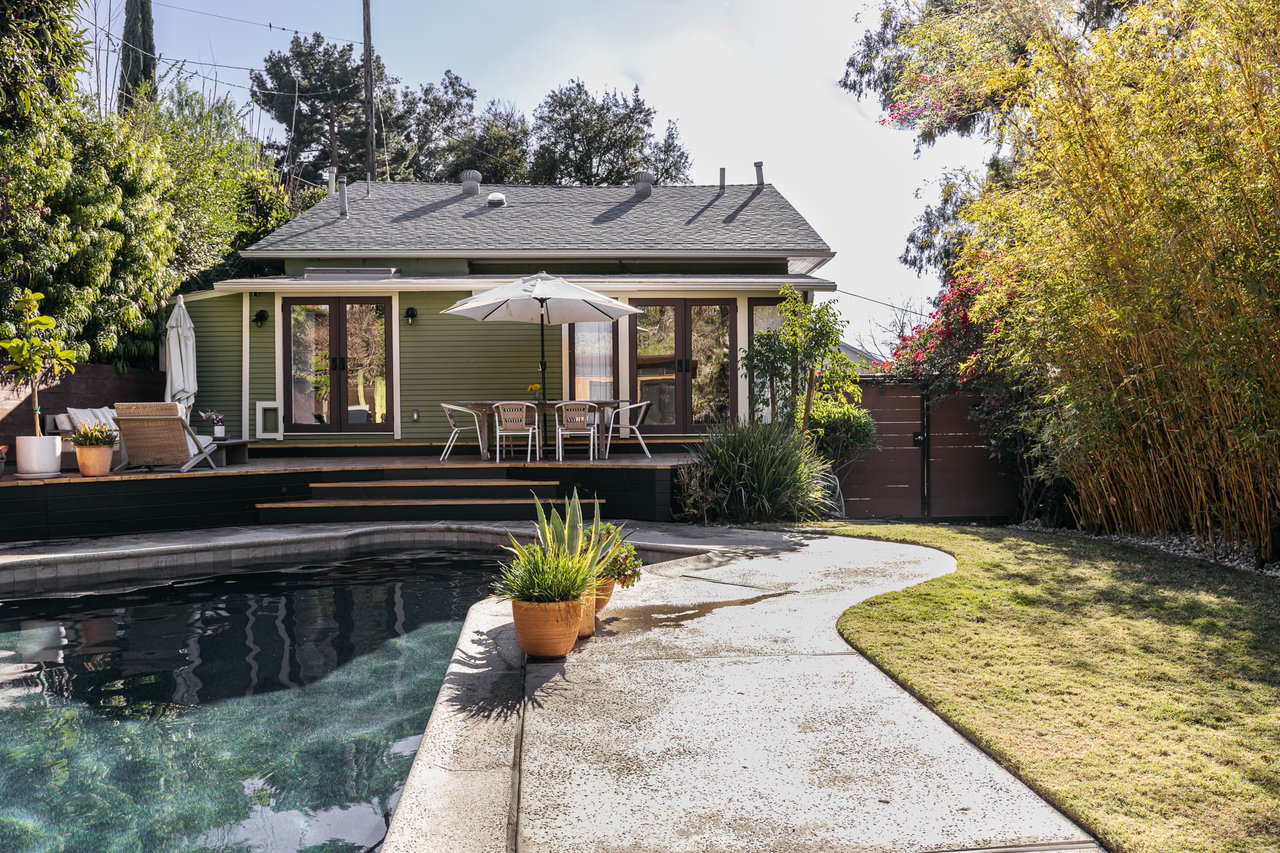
[
  {"x": 261, "y": 317},
  {"x": 410, "y": 314}
]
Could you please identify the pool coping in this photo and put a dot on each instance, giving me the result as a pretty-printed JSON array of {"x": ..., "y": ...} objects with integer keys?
[
  {"x": 463, "y": 789},
  {"x": 77, "y": 566}
]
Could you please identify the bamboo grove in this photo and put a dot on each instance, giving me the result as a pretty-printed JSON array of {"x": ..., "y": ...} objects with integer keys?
[{"x": 1129, "y": 262}]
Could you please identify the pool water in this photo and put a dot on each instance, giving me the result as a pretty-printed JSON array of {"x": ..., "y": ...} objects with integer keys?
[{"x": 272, "y": 711}]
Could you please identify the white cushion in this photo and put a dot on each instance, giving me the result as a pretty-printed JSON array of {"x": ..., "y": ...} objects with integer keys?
[
  {"x": 63, "y": 423},
  {"x": 87, "y": 417}
]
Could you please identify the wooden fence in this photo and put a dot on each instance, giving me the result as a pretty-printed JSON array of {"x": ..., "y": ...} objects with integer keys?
[{"x": 933, "y": 462}]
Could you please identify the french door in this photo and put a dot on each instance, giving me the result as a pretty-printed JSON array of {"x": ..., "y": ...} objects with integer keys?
[
  {"x": 684, "y": 360},
  {"x": 337, "y": 353}
]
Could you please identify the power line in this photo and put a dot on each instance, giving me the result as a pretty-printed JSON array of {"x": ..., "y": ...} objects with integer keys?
[
  {"x": 885, "y": 304},
  {"x": 111, "y": 37},
  {"x": 268, "y": 25}
]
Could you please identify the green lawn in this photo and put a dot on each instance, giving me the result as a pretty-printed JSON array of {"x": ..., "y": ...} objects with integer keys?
[{"x": 1138, "y": 691}]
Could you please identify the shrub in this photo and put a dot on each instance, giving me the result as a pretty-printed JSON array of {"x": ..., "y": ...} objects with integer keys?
[
  {"x": 752, "y": 472},
  {"x": 841, "y": 430}
]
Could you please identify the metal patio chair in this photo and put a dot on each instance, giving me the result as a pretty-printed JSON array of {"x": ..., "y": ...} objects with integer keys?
[
  {"x": 514, "y": 418},
  {"x": 457, "y": 417},
  {"x": 615, "y": 422},
  {"x": 577, "y": 418}
]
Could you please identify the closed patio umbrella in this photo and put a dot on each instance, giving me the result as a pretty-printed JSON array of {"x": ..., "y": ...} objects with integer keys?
[
  {"x": 545, "y": 300},
  {"x": 180, "y": 357}
]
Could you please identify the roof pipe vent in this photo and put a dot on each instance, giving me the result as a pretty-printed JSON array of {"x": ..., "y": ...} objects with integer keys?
[
  {"x": 470, "y": 182},
  {"x": 644, "y": 184},
  {"x": 759, "y": 173},
  {"x": 342, "y": 197},
  {"x": 333, "y": 178},
  {"x": 496, "y": 200},
  {"x": 722, "y": 179}
]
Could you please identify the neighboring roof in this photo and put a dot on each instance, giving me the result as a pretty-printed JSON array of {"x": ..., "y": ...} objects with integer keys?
[
  {"x": 425, "y": 220},
  {"x": 858, "y": 355}
]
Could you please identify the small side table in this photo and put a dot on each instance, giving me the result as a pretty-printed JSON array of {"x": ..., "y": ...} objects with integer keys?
[{"x": 230, "y": 452}]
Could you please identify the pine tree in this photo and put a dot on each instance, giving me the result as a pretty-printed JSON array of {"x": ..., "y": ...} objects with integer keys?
[{"x": 137, "y": 54}]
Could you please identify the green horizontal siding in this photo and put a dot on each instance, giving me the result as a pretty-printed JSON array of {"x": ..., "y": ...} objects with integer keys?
[
  {"x": 406, "y": 266},
  {"x": 218, "y": 325},
  {"x": 262, "y": 364},
  {"x": 444, "y": 359}
]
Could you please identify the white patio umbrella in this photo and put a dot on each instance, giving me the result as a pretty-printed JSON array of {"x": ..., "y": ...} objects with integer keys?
[
  {"x": 180, "y": 357},
  {"x": 545, "y": 300}
]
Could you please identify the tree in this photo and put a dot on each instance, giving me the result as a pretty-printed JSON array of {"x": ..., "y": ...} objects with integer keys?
[
  {"x": 440, "y": 117},
  {"x": 40, "y": 51},
  {"x": 34, "y": 355},
  {"x": 496, "y": 145},
  {"x": 1128, "y": 269},
  {"x": 98, "y": 240},
  {"x": 324, "y": 121},
  {"x": 801, "y": 358},
  {"x": 583, "y": 140},
  {"x": 137, "y": 55},
  {"x": 943, "y": 67}
]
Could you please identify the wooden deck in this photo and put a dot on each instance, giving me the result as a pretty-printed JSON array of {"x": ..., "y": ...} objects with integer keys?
[{"x": 322, "y": 489}]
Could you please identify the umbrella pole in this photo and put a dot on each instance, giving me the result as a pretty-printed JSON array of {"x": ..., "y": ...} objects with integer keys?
[{"x": 542, "y": 365}]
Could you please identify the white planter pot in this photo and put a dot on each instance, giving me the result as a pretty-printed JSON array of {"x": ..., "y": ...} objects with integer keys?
[{"x": 39, "y": 456}]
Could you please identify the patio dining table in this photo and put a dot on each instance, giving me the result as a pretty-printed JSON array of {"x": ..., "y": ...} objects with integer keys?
[{"x": 484, "y": 408}]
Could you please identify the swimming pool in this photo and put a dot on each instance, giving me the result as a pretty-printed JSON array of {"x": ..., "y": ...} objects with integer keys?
[{"x": 272, "y": 711}]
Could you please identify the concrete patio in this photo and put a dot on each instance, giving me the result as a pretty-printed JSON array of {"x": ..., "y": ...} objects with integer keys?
[{"x": 716, "y": 708}]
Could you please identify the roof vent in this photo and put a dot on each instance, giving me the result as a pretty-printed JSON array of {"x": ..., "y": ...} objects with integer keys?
[
  {"x": 644, "y": 184},
  {"x": 759, "y": 173},
  {"x": 496, "y": 200},
  {"x": 470, "y": 182},
  {"x": 342, "y": 197}
]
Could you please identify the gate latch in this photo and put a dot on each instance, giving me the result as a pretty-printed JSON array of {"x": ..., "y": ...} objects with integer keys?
[{"x": 917, "y": 439}]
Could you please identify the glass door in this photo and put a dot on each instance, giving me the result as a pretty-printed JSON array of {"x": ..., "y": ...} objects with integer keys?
[
  {"x": 338, "y": 356},
  {"x": 311, "y": 364},
  {"x": 685, "y": 362},
  {"x": 366, "y": 404}
]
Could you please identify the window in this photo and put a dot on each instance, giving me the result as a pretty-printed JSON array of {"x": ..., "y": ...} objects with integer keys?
[{"x": 593, "y": 361}]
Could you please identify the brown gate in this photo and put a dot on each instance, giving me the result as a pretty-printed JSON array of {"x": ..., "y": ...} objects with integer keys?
[{"x": 933, "y": 462}]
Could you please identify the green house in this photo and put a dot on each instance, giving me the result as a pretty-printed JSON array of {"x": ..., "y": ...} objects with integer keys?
[{"x": 347, "y": 343}]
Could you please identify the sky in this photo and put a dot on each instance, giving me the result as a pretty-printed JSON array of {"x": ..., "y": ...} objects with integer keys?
[{"x": 745, "y": 80}]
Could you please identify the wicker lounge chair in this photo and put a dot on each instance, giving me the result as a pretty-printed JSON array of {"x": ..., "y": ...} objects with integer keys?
[{"x": 157, "y": 435}]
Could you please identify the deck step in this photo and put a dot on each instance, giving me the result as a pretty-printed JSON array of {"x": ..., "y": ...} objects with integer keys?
[
  {"x": 401, "y": 509},
  {"x": 435, "y": 488}
]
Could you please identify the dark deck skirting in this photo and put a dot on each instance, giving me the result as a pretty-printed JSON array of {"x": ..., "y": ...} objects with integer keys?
[{"x": 630, "y": 487}]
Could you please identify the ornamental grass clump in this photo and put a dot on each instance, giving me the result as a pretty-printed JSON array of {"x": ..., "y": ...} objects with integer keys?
[
  {"x": 746, "y": 472},
  {"x": 563, "y": 563}
]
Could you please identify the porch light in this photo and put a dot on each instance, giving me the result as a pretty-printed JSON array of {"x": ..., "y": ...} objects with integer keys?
[
  {"x": 260, "y": 318},
  {"x": 410, "y": 314}
]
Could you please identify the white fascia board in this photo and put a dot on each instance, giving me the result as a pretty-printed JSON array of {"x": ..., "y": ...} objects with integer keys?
[{"x": 479, "y": 284}]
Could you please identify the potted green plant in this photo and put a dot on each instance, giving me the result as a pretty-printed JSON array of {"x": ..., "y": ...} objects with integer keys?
[
  {"x": 549, "y": 580},
  {"x": 33, "y": 357},
  {"x": 93, "y": 444},
  {"x": 622, "y": 571}
]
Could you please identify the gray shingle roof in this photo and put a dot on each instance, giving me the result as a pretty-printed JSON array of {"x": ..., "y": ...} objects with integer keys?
[{"x": 403, "y": 217}]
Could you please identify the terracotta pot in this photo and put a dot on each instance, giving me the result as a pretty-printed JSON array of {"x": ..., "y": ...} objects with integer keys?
[
  {"x": 94, "y": 461},
  {"x": 587, "y": 621},
  {"x": 604, "y": 592},
  {"x": 546, "y": 630}
]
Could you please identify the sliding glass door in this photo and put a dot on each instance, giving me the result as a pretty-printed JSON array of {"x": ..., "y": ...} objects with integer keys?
[
  {"x": 337, "y": 354},
  {"x": 684, "y": 361}
]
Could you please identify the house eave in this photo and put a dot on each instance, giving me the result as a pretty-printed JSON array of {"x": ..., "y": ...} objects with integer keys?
[
  {"x": 478, "y": 283},
  {"x": 807, "y": 259}
]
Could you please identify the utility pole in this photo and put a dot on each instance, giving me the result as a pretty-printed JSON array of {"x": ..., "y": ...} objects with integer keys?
[{"x": 370, "y": 152}]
